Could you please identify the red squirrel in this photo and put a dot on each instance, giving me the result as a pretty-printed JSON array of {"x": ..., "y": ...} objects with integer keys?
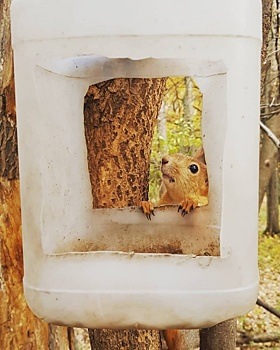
[{"x": 184, "y": 182}]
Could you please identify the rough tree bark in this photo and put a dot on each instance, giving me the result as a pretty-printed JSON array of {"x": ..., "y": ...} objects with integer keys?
[
  {"x": 220, "y": 337},
  {"x": 61, "y": 338},
  {"x": 120, "y": 116},
  {"x": 268, "y": 151},
  {"x": 272, "y": 205},
  {"x": 19, "y": 327}
]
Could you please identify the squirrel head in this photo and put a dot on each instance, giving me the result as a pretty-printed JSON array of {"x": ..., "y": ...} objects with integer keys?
[{"x": 185, "y": 177}]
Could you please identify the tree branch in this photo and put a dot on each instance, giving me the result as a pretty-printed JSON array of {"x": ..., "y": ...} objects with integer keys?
[
  {"x": 271, "y": 135},
  {"x": 268, "y": 308},
  {"x": 244, "y": 338},
  {"x": 269, "y": 114}
]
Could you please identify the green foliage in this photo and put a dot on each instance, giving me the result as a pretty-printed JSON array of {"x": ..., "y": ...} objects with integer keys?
[
  {"x": 183, "y": 109},
  {"x": 269, "y": 246},
  {"x": 181, "y": 121},
  {"x": 269, "y": 252}
]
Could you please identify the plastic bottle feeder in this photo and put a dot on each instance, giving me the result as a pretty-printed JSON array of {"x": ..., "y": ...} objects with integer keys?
[{"x": 95, "y": 268}]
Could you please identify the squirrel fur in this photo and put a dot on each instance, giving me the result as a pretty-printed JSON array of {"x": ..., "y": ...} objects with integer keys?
[{"x": 184, "y": 182}]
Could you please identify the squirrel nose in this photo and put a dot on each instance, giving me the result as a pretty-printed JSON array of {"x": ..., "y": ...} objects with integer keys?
[{"x": 164, "y": 160}]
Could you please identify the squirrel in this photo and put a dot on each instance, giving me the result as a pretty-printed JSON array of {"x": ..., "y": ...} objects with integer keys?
[{"x": 184, "y": 182}]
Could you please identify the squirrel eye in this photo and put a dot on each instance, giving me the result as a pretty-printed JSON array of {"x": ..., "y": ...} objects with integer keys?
[{"x": 193, "y": 168}]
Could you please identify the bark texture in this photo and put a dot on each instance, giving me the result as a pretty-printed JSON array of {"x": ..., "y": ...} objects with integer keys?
[
  {"x": 268, "y": 156},
  {"x": 220, "y": 337},
  {"x": 19, "y": 327},
  {"x": 273, "y": 204},
  {"x": 61, "y": 338},
  {"x": 125, "y": 339},
  {"x": 120, "y": 116},
  {"x": 266, "y": 25},
  {"x": 8, "y": 138},
  {"x": 268, "y": 151}
]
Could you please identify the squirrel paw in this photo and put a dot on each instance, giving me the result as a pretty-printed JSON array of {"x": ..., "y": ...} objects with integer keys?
[
  {"x": 187, "y": 206},
  {"x": 147, "y": 208}
]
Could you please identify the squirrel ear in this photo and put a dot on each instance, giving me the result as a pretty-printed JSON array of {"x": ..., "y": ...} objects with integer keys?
[{"x": 199, "y": 155}]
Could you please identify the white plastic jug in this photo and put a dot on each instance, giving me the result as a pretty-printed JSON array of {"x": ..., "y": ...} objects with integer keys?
[{"x": 60, "y": 49}]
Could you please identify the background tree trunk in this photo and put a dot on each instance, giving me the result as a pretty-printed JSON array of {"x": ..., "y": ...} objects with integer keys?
[
  {"x": 272, "y": 204},
  {"x": 162, "y": 130},
  {"x": 269, "y": 94},
  {"x": 120, "y": 116},
  {"x": 61, "y": 338},
  {"x": 268, "y": 156},
  {"x": 220, "y": 337},
  {"x": 19, "y": 327}
]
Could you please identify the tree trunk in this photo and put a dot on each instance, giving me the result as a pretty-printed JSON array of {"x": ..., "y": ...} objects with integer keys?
[
  {"x": 19, "y": 327},
  {"x": 268, "y": 151},
  {"x": 162, "y": 131},
  {"x": 61, "y": 338},
  {"x": 270, "y": 116},
  {"x": 220, "y": 337},
  {"x": 272, "y": 204},
  {"x": 268, "y": 156},
  {"x": 106, "y": 339},
  {"x": 120, "y": 116},
  {"x": 266, "y": 25}
]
